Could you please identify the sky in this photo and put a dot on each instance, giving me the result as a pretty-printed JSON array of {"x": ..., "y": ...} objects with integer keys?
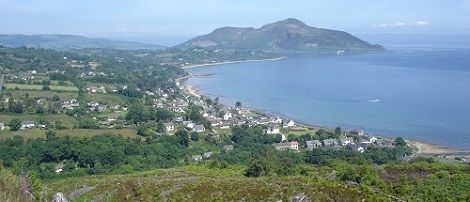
[{"x": 188, "y": 18}]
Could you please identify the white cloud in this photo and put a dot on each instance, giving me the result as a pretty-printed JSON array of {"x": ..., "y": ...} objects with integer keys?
[
  {"x": 402, "y": 24},
  {"x": 421, "y": 23}
]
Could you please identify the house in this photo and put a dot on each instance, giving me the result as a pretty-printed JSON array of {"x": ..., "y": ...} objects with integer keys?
[
  {"x": 331, "y": 143},
  {"x": 179, "y": 119},
  {"x": 207, "y": 155},
  {"x": 70, "y": 104},
  {"x": 196, "y": 157},
  {"x": 2, "y": 126},
  {"x": 27, "y": 124},
  {"x": 311, "y": 144},
  {"x": 382, "y": 143},
  {"x": 287, "y": 146},
  {"x": 346, "y": 140},
  {"x": 227, "y": 116},
  {"x": 359, "y": 132},
  {"x": 288, "y": 124},
  {"x": 188, "y": 124},
  {"x": 170, "y": 126},
  {"x": 273, "y": 129},
  {"x": 228, "y": 147},
  {"x": 199, "y": 128},
  {"x": 224, "y": 125}
]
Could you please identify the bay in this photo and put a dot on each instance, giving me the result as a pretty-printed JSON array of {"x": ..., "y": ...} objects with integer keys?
[{"x": 420, "y": 93}]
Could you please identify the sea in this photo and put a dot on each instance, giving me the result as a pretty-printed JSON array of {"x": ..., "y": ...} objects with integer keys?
[{"x": 415, "y": 92}]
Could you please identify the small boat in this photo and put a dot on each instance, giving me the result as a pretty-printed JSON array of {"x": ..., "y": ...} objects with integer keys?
[{"x": 376, "y": 100}]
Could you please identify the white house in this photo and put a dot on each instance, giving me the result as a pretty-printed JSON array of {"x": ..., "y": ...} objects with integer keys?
[
  {"x": 188, "y": 124},
  {"x": 169, "y": 126},
  {"x": 227, "y": 116},
  {"x": 27, "y": 124},
  {"x": 287, "y": 146},
  {"x": 273, "y": 129},
  {"x": 2, "y": 126},
  {"x": 288, "y": 124}
]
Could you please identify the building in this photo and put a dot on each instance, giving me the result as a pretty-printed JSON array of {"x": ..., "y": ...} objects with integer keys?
[
  {"x": 70, "y": 104},
  {"x": 196, "y": 157},
  {"x": 188, "y": 124},
  {"x": 288, "y": 124},
  {"x": 228, "y": 147},
  {"x": 27, "y": 124},
  {"x": 199, "y": 128},
  {"x": 2, "y": 126},
  {"x": 346, "y": 140},
  {"x": 207, "y": 155},
  {"x": 227, "y": 116},
  {"x": 170, "y": 126},
  {"x": 287, "y": 146},
  {"x": 312, "y": 144},
  {"x": 331, "y": 143},
  {"x": 273, "y": 129}
]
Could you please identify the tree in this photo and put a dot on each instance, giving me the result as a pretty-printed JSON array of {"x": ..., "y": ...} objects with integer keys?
[
  {"x": 182, "y": 137},
  {"x": 195, "y": 136},
  {"x": 135, "y": 113},
  {"x": 55, "y": 98},
  {"x": 337, "y": 131},
  {"x": 400, "y": 142},
  {"x": 238, "y": 105},
  {"x": 46, "y": 87},
  {"x": 15, "y": 124}
]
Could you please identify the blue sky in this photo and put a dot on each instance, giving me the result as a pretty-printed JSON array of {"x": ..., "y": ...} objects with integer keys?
[{"x": 114, "y": 18}]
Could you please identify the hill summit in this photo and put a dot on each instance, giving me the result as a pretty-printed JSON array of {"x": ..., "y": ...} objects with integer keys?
[{"x": 290, "y": 35}]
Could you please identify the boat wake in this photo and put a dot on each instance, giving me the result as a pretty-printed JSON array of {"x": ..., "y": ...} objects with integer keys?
[{"x": 376, "y": 100}]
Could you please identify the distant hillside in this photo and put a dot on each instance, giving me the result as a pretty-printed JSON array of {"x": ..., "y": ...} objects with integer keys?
[
  {"x": 290, "y": 35},
  {"x": 58, "y": 41}
]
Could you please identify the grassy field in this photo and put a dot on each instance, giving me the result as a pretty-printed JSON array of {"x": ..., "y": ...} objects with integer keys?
[
  {"x": 109, "y": 99},
  {"x": 197, "y": 183},
  {"x": 42, "y": 93},
  {"x": 40, "y": 133},
  {"x": 66, "y": 120},
  {"x": 39, "y": 87}
]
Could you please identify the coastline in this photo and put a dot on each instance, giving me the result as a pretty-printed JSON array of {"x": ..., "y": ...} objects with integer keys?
[
  {"x": 232, "y": 62},
  {"x": 422, "y": 148}
]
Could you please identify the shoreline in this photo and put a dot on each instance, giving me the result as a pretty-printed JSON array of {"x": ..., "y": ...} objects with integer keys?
[
  {"x": 423, "y": 148},
  {"x": 233, "y": 62}
]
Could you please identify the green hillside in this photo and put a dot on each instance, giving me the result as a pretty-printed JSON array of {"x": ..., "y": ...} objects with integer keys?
[
  {"x": 59, "y": 41},
  {"x": 290, "y": 35}
]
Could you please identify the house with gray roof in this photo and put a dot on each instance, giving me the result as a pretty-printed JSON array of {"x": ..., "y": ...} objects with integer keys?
[
  {"x": 330, "y": 143},
  {"x": 312, "y": 144}
]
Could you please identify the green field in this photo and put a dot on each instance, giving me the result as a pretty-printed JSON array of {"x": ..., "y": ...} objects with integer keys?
[
  {"x": 109, "y": 99},
  {"x": 39, "y": 87},
  {"x": 41, "y": 93},
  {"x": 40, "y": 133}
]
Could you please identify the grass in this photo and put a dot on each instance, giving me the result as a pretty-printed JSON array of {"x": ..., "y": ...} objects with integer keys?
[
  {"x": 109, "y": 99},
  {"x": 40, "y": 133},
  {"x": 39, "y": 87},
  {"x": 42, "y": 94},
  {"x": 66, "y": 120},
  {"x": 198, "y": 183}
]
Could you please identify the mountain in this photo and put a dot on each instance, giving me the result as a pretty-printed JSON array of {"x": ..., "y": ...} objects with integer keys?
[
  {"x": 290, "y": 35},
  {"x": 60, "y": 41}
]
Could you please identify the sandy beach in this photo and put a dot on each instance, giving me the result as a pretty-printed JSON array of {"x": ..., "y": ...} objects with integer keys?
[
  {"x": 232, "y": 62},
  {"x": 427, "y": 148}
]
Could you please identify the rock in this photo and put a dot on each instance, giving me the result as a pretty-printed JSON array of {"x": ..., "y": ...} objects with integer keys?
[{"x": 59, "y": 197}]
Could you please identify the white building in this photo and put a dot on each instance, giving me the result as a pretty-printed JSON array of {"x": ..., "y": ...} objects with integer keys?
[
  {"x": 273, "y": 129},
  {"x": 169, "y": 126},
  {"x": 287, "y": 146}
]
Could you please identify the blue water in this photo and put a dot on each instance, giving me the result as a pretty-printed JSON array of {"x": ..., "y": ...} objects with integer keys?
[{"x": 423, "y": 93}]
